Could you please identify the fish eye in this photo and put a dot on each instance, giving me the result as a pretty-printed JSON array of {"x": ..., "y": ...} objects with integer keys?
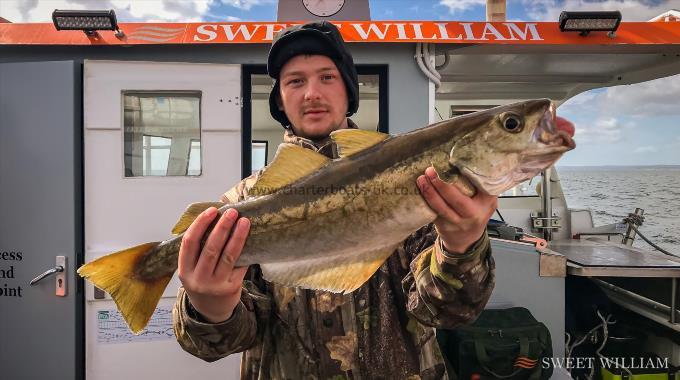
[{"x": 512, "y": 123}]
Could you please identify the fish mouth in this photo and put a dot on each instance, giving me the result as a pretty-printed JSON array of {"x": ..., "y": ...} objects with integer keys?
[
  {"x": 555, "y": 140},
  {"x": 531, "y": 163},
  {"x": 545, "y": 145},
  {"x": 568, "y": 141},
  {"x": 549, "y": 141},
  {"x": 548, "y": 134},
  {"x": 547, "y": 151}
]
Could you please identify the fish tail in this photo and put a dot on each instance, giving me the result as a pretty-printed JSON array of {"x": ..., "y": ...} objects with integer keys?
[{"x": 135, "y": 297}]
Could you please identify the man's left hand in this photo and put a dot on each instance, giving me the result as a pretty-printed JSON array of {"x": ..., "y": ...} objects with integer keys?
[{"x": 461, "y": 219}]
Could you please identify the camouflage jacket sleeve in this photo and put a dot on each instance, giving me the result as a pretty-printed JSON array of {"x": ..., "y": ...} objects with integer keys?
[
  {"x": 212, "y": 341},
  {"x": 451, "y": 292}
]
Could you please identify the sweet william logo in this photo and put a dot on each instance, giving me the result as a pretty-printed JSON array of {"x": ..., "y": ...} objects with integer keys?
[
  {"x": 524, "y": 362},
  {"x": 609, "y": 363},
  {"x": 379, "y": 31}
]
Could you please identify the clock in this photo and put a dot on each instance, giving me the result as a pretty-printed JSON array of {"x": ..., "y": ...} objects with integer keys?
[{"x": 323, "y": 8}]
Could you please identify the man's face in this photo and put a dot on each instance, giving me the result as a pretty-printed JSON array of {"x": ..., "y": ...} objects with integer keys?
[{"x": 313, "y": 96}]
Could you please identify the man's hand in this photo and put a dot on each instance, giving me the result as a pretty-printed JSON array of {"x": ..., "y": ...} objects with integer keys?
[
  {"x": 461, "y": 219},
  {"x": 208, "y": 274}
]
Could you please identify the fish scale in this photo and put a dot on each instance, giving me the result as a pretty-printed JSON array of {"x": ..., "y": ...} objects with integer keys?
[{"x": 329, "y": 224}]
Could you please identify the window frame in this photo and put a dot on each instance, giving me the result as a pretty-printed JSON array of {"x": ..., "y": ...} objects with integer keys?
[
  {"x": 381, "y": 70},
  {"x": 198, "y": 94}
]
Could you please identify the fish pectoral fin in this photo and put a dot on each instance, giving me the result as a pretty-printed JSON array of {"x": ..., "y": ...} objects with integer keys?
[
  {"x": 351, "y": 141},
  {"x": 338, "y": 274},
  {"x": 115, "y": 273},
  {"x": 191, "y": 213},
  {"x": 291, "y": 163}
]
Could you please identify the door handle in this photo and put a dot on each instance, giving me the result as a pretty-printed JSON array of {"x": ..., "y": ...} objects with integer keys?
[
  {"x": 60, "y": 270},
  {"x": 47, "y": 273}
]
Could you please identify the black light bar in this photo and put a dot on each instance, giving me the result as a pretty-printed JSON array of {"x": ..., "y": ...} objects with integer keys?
[
  {"x": 586, "y": 22},
  {"x": 88, "y": 21}
]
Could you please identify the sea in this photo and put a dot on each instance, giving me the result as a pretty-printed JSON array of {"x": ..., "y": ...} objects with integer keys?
[{"x": 611, "y": 192}]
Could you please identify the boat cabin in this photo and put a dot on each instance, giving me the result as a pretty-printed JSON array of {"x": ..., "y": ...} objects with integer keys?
[{"x": 106, "y": 136}]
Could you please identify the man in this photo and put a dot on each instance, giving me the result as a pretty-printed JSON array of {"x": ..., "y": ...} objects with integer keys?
[{"x": 442, "y": 276}]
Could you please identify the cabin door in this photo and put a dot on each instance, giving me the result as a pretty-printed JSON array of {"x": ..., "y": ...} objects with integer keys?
[
  {"x": 40, "y": 226},
  {"x": 157, "y": 136}
]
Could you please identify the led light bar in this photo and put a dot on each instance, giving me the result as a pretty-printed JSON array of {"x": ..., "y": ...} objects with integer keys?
[
  {"x": 85, "y": 20},
  {"x": 586, "y": 22}
]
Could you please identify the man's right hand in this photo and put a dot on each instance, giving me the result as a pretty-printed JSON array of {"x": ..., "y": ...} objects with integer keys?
[{"x": 207, "y": 273}]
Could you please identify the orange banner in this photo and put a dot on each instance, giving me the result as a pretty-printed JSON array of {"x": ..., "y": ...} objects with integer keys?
[{"x": 361, "y": 31}]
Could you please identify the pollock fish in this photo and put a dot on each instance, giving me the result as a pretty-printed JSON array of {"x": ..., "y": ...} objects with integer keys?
[{"x": 321, "y": 223}]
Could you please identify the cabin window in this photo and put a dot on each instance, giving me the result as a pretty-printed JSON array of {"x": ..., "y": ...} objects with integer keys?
[
  {"x": 161, "y": 133},
  {"x": 259, "y": 157},
  {"x": 267, "y": 134},
  {"x": 156, "y": 155},
  {"x": 195, "y": 158}
]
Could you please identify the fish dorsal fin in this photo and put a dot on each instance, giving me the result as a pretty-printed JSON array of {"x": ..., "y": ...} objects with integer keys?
[
  {"x": 291, "y": 163},
  {"x": 341, "y": 274},
  {"x": 351, "y": 141},
  {"x": 191, "y": 213}
]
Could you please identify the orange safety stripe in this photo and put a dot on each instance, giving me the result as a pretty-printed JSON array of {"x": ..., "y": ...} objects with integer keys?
[{"x": 534, "y": 33}]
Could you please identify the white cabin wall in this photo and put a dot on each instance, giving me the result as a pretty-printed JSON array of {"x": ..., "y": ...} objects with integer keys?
[{"x": 409, "y": 89}]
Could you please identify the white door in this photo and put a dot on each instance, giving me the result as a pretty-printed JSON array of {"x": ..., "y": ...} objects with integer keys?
[{"x": 158, "y": 136}]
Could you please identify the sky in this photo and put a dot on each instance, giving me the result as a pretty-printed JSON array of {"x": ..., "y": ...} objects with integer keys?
[{"x": 635, "y": 124}]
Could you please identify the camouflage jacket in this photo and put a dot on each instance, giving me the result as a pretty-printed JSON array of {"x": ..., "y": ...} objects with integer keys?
[{"x": 383, "y": 330}]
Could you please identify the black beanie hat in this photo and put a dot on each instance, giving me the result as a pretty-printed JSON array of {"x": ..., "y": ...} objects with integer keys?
[{"x": 321, "y": 38}]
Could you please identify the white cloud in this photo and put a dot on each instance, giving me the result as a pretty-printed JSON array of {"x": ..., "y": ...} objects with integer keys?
[
  {"x": 631, "y": 10},
  {"x": 579, "y": 100},
  {"x": 247, "y": 4},
  {"x": 608, "y": 123},
  {"x": 126, "y": 10},
  {"x": 603, "y": 130},
  {"x": 646, "y": 149},
  {"x": 170, "y": 10},
  {"x": 461, "y": 5},
  {"x": 618, "y": 114},
  {"x": 654, "y": 98}
]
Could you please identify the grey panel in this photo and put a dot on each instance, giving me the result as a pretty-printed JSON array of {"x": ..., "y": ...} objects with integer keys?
[
  {"x": 518, "y": 284},
  {"x": 39, "y": 198}
]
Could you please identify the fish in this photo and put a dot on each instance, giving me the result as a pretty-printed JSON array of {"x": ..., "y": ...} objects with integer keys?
[{"x": 329, "y": 224}]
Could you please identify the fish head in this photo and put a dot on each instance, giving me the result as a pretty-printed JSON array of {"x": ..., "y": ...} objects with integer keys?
[{"x": 507, "y": 145}]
